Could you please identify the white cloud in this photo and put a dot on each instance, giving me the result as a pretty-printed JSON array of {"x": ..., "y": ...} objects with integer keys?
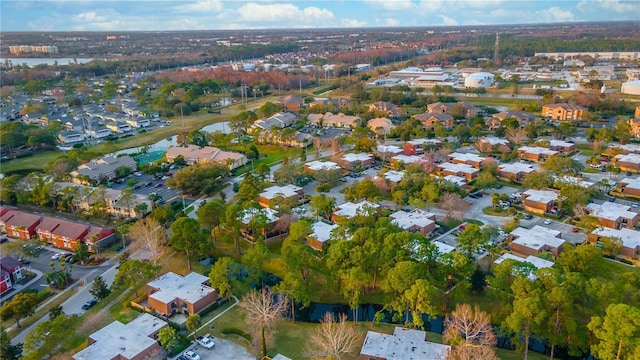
[
  {"x": 390, "y": 22},
  {"x": 201, "y": 6},
  {"x": 556, "y": 14},
  {"x": 391, "y": 5},
  {"x": 447, "y": 20},
  {"x": 621, "y": 7},
  {"x": 255, "y": 12},
  {"x": 477, "y": 4},
  {"x": 352, "y": 23}
]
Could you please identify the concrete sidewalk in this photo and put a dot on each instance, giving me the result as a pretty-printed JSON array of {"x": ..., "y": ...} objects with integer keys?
[{"x": 17, "y": 288}]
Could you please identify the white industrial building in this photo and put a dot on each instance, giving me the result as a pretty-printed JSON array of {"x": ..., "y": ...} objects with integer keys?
[
  {"x": 479, "y": 80},
  {"x": 631, "y": 87}
]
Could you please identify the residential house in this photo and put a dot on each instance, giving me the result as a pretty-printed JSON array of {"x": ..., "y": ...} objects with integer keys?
[
  {"x": 468, "y": 110},
  {"x": 335, "y": 120},
  {"x": 290, "y": 193},
  {"x": 562, "y": 147},
  {"x": 515, "y": 171},
  {"x": 487, "y": 144},
  {"x": 118, "y": 127},
  {"x": 317, "y": 165},
  {"x": 136, "y": 340},
  {"x": 466, "y": 158},
  {"x": 130, "y": 109},
  {"x": 5, "y": 282},
  {"x": 138, "y": 122},
  {"x": 463, "y": 170},
  {"x": 540, "y": 201},
  {"x": 431, "y": 120},
  {"x": 535, "y": 153},
  {"x": 13, "y": 267},
  {"x": 634, "y": 124},
  {"x": 274, "y": 223},
  {"x": 278, "y": 120},
  {"x": 98, "y": 132},
  {"x": 387, "y": 108},
  {"x": 381, "y": 126},
  {"x": 70, "y": 137},
  {"x": 563, "y": 111},
  {"x": 102, "y": 169},
  {"x": 539, "y": 263},
  {"x": 629, "y": 238},
  {"x": 405, "y": 160},
  {"x": 420, "y": 146},
  {"x": 349, "y": 210},
  {"x": 416, "y": 220},
  {"x": 393, "y": 176},
  {"x": 536, "y": 240},
  {"x": 320, "y": 235},
  {"x": 74, "y": 124},
  {"x": 354, "y": 161},
  {"x": 629, "y": 187},
  {"x": 193, "y": 154},
  {"x": 385, "y": 152},
  {"x": 492, "y": 123},
  {"x": 61, "y": 233},
  {"x": 31, "y": 118},
  {"x": 18, "y": 224},
  {"x": 339, "y": 103},
  {"x": 291, "y": 103},
  {"x": 628, "y": 162},
  {"x": 522, "y": 117},
  {"x": 616, "y": 149},
  {"x": 172, "y": 294},
  {"x": 613, "y": 215},
  {"x": 404, "y": 344}
]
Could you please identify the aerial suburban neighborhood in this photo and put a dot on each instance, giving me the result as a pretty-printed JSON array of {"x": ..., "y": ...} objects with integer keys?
[{"x": 430, "y": 193}]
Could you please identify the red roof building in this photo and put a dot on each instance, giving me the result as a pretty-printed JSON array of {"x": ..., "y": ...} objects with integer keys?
[{"x": 18, "y": 224}]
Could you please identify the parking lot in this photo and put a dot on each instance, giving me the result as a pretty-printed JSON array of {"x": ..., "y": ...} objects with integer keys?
[
  {"x": 224, "y": 349},
  {"x": 162, "y": 189}
]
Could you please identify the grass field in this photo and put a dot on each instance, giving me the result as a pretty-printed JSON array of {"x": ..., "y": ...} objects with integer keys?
[{"x": 191, "y": 122}]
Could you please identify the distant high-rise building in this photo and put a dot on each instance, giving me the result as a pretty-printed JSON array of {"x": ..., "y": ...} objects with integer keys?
[{"x": 496, "y": 50}]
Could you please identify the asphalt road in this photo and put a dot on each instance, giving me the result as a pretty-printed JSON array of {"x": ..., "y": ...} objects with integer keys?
[{"x": 73, "y": 305}]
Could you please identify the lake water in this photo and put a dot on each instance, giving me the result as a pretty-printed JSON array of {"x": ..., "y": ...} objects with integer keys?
[
  {"x": 164, "y": 144},
  {"x": 31, "y": 62}
]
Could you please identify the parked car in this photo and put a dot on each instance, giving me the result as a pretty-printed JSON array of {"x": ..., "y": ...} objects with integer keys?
[
  {"x": 635, "y": 205},
  {"x": 575, "y": 230},
  {"x": 191, "y": 355},
  {"x": 547, "y": 222},
  {"x": 528, "y": 216},
  {"x": 158, "y": 185},
  {"x": 56, "y": 256},
  {"x": 205, "y": 341},
  {"x": 25, "y": 261},
  {"x": 3, "y": 239},
  {"x": 89, "y": 304}
]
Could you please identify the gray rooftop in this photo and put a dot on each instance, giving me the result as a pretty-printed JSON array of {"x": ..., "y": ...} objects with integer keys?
[{"x": 172, "y": 286}]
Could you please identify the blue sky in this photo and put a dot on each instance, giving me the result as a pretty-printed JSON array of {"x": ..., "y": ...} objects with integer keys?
[{"x": 136, "y": 15}]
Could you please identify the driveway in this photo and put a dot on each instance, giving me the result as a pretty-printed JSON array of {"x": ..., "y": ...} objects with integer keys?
[{"x": 224, "y": 349}]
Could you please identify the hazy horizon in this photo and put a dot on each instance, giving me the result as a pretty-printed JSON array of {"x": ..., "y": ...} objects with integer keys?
[{"x": 170, "y": 15}]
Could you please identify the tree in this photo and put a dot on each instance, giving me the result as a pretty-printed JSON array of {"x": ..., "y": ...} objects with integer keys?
[
  {"x": 472, "y": 239},
  {"x": 622, "y": 131},
  {"x": 132, "y": 273},
  {"x": 333, "y": 339},
  {"x": 20, "y": 306},
  {"x": 263, "y": 310},
  {"x": 219, "y": 276},
  {"x": 536, "y": 180},
  {"x": 485, "y": 180},
  {"x": 7, "y": 350},
  {"x": 452, "y": 204},
  {"x": 527, "y": 312},
  {"x": 618, "y": 333},
  {"x": 469, "y": 331},
  {"x": 55, "y": 312},
  {"x": 193, "y": 323},
  {"x": 48, "y": 335},
  {"x": 151, "y": 235},
  {"x": 255, "y": 258},
  {"x": 322, "y": 205},
  {"x": 99, "y": 288},
  {"x": 187, "y": 237},
  {"x": 211, "y": 214},
  {"x": 168, "y": 338},
  {"x": 81, "y": 252}
]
